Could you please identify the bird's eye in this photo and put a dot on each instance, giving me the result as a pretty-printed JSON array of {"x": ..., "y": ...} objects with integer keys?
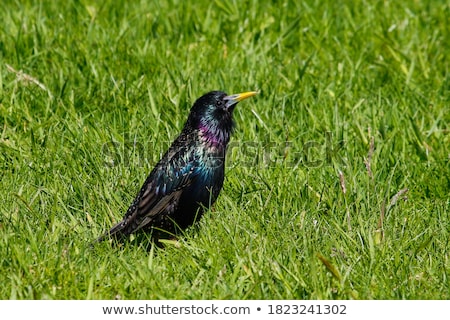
[{"x": 219, "y": 103}]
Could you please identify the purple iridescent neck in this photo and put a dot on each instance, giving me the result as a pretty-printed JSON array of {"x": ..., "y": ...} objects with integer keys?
[{"x": 214, "y": 136}]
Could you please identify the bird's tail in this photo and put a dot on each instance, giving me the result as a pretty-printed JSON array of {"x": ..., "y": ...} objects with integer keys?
[{"x": 116, "y": 232}]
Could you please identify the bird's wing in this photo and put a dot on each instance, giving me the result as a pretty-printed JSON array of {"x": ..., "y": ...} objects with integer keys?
[{"x": 160, "y": 193}]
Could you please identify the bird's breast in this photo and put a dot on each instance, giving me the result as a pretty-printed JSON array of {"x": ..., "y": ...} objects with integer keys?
[{"x": 211, "y": 169}]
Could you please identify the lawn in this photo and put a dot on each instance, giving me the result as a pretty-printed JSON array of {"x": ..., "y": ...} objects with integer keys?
[{"x": 338, "y": 177}]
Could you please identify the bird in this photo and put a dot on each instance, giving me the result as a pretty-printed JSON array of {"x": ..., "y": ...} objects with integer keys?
[{"x": 187, "y": 180}]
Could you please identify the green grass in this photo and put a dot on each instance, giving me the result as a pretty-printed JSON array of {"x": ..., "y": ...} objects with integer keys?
[{"x": 92, "y": 92}]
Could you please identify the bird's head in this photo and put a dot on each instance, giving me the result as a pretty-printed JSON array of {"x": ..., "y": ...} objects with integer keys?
[{"x": 212, "y": 115}]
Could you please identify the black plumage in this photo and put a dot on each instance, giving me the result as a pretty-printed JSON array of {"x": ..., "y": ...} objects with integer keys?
[{"x": 188, "y": 178}]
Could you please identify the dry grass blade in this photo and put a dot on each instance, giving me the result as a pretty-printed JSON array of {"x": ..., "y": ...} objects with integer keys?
[
  {"x": 342, "y": 182},
  {"x": 344, "y": 191},
  {"x": 368, "y": 160},
  {"x": 395, "y": 198},
  {"x": 385, "y": 210},
  {"x": 21, "y": 76},
  {"x": 329, "y": 266}
]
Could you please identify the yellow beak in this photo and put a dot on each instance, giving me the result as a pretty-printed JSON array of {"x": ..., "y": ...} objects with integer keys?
[{"x": 235, "y": 98}]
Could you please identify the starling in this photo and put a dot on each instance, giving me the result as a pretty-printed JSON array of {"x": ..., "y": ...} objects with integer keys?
[{"x": 188, "y": 178}]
